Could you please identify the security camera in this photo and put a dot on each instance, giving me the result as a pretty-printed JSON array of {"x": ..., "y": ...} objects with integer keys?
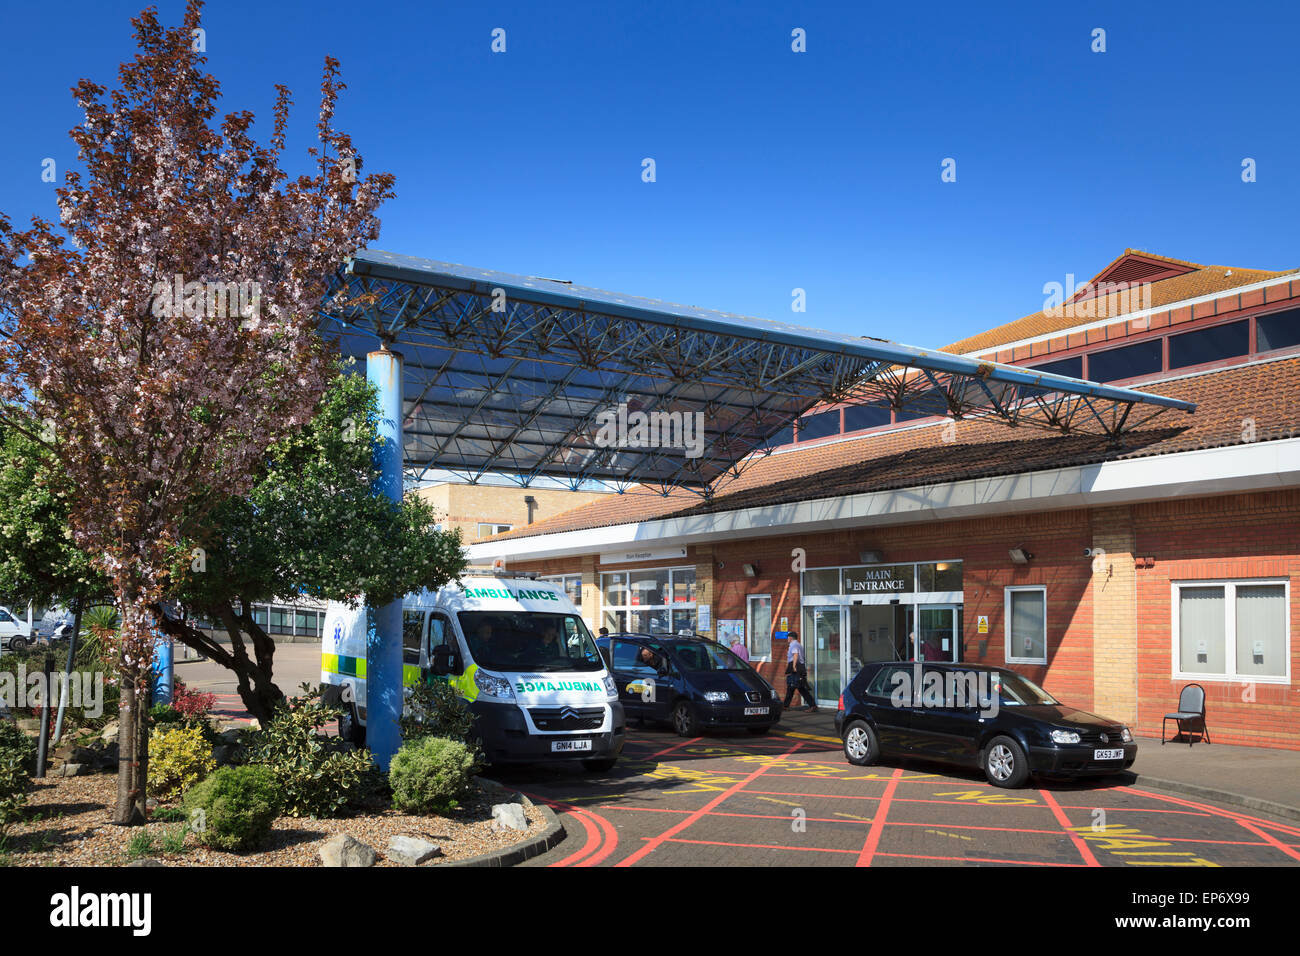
[{"x": 1087, "y": 552}]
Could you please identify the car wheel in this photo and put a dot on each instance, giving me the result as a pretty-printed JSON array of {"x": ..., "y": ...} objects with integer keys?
[
  {"x": 1005, "y": 764},
  {"x": 759, "y": 730},
  {"x": 350, "y": 728},
  {"x": 684, "y": 721},
  {"x": 600, "y": 764},
  {"x": 17, "y": 644},
  {"x": 861, "y": 748}
]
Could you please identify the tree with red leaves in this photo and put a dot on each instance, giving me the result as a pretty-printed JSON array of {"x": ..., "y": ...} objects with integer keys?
[{"x": 166, "y": 335}]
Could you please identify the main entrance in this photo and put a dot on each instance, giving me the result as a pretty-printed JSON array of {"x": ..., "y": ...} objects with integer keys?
[{"x": 840, "y": 639}]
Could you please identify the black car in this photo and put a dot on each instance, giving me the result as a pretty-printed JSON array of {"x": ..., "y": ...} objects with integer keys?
[
  {"x": 693, "y": 682},
  {"x": 977, "y": 716}
]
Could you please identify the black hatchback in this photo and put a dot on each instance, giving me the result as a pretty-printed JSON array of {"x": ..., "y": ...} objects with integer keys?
[
  {"x": 692, "y": 682},
  {"x": 976, "y": 716}
]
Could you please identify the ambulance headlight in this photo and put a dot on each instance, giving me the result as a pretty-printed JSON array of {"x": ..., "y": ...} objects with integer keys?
[
  {"x": 491, "y": 685},
  {"x": 611, "y": 689}
]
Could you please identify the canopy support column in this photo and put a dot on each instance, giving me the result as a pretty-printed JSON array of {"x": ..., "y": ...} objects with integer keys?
[{"x": 384, "y": 696}]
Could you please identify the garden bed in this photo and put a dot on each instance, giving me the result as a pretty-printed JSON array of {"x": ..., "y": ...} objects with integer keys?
[{"x": 66, "y": 823}]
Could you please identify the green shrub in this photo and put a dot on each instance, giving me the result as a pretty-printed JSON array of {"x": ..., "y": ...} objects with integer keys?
[
  {"x": 430, "y": 774},
  {"x": 164, "y": 714},
  {"x": 17, "y": 764},
  {"x": 234, "y": 808},
  {"x": 179, "y": 757},
  {"x": 318, "y": 775},
  {"x": 433, "y": 709}
]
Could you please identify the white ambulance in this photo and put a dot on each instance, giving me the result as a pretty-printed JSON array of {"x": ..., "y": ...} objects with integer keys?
[{"x": 517, "y": 650}]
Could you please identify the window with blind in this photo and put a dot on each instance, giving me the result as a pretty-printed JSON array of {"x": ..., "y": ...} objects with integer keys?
[
  {"x": 1232, "y": 630},
  {"x": 1026, "y": 625}
]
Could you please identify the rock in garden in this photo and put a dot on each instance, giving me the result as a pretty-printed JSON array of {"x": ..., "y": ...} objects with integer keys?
[
  {"x": 508, "y": 816},
  {"x": 343, "y": 850},
  {"x": 146, "y": 861},
  {"x": 110, "y": 731},
  {"x": 83, "y": 755},
  {"x": 230, "y": 736},
  {"x": 72, "y": 770},
  {"x": 411, "y": 851}
]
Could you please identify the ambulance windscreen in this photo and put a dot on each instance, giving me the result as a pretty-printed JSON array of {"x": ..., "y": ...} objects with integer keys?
[{"x": 529, "y": 641}]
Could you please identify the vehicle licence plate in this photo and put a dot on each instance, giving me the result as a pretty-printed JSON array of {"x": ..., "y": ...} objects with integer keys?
[
  {"x": 755, "y": 711},
  {"x": 560, "y": 746},
  {"x": 1108, "y": 755}
]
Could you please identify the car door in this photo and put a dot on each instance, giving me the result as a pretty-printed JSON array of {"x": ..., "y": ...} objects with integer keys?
[
  {"x": 890, "y": 707},
  {"x": 946, "y": 724},
  {"x": 628, "y": 676},
  {"x": 8, "y": 626}
]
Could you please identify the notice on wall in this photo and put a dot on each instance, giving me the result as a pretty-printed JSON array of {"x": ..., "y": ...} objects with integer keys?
[
  {"x": 785, "y": 624},
  {"x": 702, "y": 620},
  {"x": 730, "y": 631},
  {"x": 983, "y": 623}
]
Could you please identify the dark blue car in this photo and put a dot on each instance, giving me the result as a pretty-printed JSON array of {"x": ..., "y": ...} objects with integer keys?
[
  {"x": 691, "y": 682},
  {"x": 976, "y": 716}
]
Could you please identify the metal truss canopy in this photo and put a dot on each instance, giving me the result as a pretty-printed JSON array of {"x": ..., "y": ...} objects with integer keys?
[{"x": 509, "y": 375}]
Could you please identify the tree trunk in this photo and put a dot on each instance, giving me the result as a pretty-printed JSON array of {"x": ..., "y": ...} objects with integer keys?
[
  {"x": 133, "y": 754},
  {"x": 253, "y": 678}
]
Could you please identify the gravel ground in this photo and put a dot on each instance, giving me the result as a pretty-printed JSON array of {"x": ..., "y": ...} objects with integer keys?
[{"x": 67, "y": 824}]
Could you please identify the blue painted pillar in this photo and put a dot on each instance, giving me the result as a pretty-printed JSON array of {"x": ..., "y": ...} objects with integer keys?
[
  {"x": 384, "y": 640},
  {"x": 163, "y": 681}
]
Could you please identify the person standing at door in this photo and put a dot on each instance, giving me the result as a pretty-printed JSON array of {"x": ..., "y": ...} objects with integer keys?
[{"x": 796, "y": 674}]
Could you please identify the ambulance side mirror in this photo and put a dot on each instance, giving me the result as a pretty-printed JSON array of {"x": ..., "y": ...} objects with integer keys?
[{"x": 440, "y": 663}]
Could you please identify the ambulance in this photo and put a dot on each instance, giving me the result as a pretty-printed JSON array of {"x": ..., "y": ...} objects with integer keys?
[{"x": 516, "y": 649}]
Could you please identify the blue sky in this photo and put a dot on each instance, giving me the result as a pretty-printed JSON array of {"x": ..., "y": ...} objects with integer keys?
[{"x": 775, "y": 169}]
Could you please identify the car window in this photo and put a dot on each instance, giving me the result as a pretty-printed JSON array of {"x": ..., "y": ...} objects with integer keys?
[
  {"x": 412, "y": 628},
  {"x": 439, "y": 632},
  {"x": 882, "y": 685},
  {"x": 707, "y": 657},
  {"x": 1016, "y": 691}
]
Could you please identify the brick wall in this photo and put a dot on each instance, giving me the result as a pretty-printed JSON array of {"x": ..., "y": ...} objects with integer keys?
[{"x": 1109, "y": 624}]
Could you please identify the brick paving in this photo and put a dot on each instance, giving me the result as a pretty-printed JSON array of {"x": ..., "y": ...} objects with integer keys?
[{"x": 791, "y": 799}]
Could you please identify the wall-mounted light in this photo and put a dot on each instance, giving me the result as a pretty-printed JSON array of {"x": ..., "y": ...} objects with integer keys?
[
  {"x": 751, "y": 570},
  {"x": 870, "y": 557},
  {"x": 1020, "y": 556}
]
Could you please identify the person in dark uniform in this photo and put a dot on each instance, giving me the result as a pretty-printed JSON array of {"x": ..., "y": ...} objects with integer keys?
[{"x": 796, "y": 674}]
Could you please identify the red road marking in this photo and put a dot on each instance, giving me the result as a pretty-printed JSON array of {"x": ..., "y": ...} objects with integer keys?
[
  {"x": 654, "y": 842},
  {"x": 1239, "y": 818},
  {"x": 1064, "y": 821},
  {"x": 601, "y": 837},
  {"x": 761, "y": 846},
  {"x": 878, "y": 821},
  {"x": 977, "y": 859}
]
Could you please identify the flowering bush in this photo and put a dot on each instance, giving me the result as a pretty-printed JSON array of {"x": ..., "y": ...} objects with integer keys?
[{"x": 191, "y": 704}]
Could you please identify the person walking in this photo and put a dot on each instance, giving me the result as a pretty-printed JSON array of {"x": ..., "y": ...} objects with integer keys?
[{"x": 796, "y": 674}]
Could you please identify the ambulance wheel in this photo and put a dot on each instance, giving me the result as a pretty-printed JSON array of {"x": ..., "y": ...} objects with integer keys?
[
  {"x": 350, "y": 728},
  {"x": 600, "y": 764},
  {"x": 17, "y": 644},
  {"x": 684, "y": 721}
]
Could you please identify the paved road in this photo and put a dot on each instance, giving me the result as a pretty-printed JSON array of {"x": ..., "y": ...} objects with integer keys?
[
  {"x": 294, "y": 663},
  {"x": 791, "y": 798}
]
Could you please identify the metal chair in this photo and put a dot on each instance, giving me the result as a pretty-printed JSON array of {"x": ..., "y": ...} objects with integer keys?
[{"x": 1190, "y": 716}]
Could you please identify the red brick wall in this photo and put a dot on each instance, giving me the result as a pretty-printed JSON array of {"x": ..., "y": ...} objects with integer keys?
[{"x": 1237, "y": 536}]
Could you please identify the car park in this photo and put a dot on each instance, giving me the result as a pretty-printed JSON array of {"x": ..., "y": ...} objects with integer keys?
[
  {"x": 978, "y": 716},
  {"x": 692, "y": 682}
]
